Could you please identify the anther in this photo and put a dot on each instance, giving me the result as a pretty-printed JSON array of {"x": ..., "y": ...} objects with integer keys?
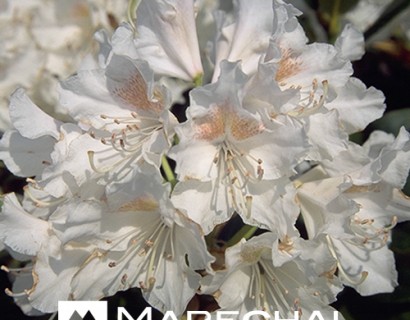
[
  {"x": 260, "y": 172},
  {"x": 151, "y": 282},
  {"x": 124, "y": 279},
  {"x": 217, "y": 294},
  {"x": 4, "y": 268}
]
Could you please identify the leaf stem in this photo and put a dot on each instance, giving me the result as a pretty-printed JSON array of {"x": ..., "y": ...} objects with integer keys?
[
  {"x": 334, "y": 27},
  {"x": 245, "y": 232},
  {"x": 169, "y": 174}
]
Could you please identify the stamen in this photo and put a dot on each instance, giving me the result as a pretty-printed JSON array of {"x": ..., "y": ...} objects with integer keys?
[
  {"x": 149, "y": 244},
  {"x": 16, "y": 295},
  {"x": 260, "y": 172},
  {"x": 367, "y": 233},
  {"x": 41, "y": 203},
  {"x": 277, "y": 289},
  {"x": 27, "y": 269},
  {"x": 248, "y": 206},
  {"x": 34, "y": 183},
  {"x": 91, "y": 155},
  {"x": 312, "y": 105},
  {"x": 53, "y": 316},
  {"x": 340, "y": 268}
]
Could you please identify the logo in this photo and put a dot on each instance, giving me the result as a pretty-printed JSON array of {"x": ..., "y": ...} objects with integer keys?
[{"x": 82, "y": 310}]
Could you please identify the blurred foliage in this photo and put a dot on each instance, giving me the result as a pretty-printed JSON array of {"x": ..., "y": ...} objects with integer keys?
[{"x": 392, "y": 121}]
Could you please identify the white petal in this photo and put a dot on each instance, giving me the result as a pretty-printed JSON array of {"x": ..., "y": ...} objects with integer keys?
[
  {"x": 382, "y": 274},
  {"x": 167, "y": 38},
  {"x": 25, "y": 157},
  {"x": 24, "y": 281},
  {"x": 350, "y": 43},
  {"x": 323, "y": 208},
  {"x": 273, "y": 206},
  {"x": 395, "y": 159},
  {"x": 29, "y": 120},
  {"x": 325, "y": 135},
  {"x": 194, "y": 161},
  {"x": 248, "y": 38},
  {"x": 357, "y": 106},
  {"x": 85, "y": 97},
  {"x": 19, "y": 230},
  {"x": 316, "y": 61},
  {"x": 53, "y": 277},
  {"x": 206, "y": 204}
]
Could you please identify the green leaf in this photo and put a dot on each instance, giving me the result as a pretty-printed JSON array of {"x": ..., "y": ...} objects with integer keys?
[
  {"x": 392, "y": 121},
  {"x": 345, "y": 5}
]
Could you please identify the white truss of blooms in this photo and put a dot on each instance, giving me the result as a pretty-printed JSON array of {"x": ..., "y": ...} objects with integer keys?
[
  {"x": 254, "y": 280},
  {"x": 44, "y": 41},
  {"x": 266, "y": 137}
]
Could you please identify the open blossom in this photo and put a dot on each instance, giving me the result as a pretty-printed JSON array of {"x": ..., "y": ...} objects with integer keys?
[
  {"x": 169, "y": 40},
  {"x": 136, "y": 239},
  {"x": 252, "y": 280},
  {"x": 125, "y": 112},
  {"x": 265, "y": 138},
  {"x": 230, "y": 160},
  {"x": 353, "y": 206},
  {"x": 44, "y": 41}
]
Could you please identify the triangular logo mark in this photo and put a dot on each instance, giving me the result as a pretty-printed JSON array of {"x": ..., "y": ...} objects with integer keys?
[
  {"x": 87, "y": 316},
  {"x": 76, "y": 316},
  {"x": 82, "y": 310}
]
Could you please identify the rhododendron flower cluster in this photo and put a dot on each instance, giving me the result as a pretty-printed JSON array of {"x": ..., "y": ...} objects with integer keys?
[
  {"x": 136, "y": 189},
  {"x": 45, "y": 41}
]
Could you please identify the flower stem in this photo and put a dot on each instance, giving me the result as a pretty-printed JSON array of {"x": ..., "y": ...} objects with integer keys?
[
  {"x": 334, "y": 27},
  {"x": 169, "y": 174},
  {"x": 245, "y": 232},
  {"x": 132, "y": 12}
]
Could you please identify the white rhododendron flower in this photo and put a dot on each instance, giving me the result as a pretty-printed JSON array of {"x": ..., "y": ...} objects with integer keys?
[
  {"x": 252, "y": 281},
  {"x": 234, "y": 162},
  {"x": 44, "y": 41},
  {"x": 204, "y": 155},
  {"x": 353, "y": 203},
  {"x": 125, "y": 112}
]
